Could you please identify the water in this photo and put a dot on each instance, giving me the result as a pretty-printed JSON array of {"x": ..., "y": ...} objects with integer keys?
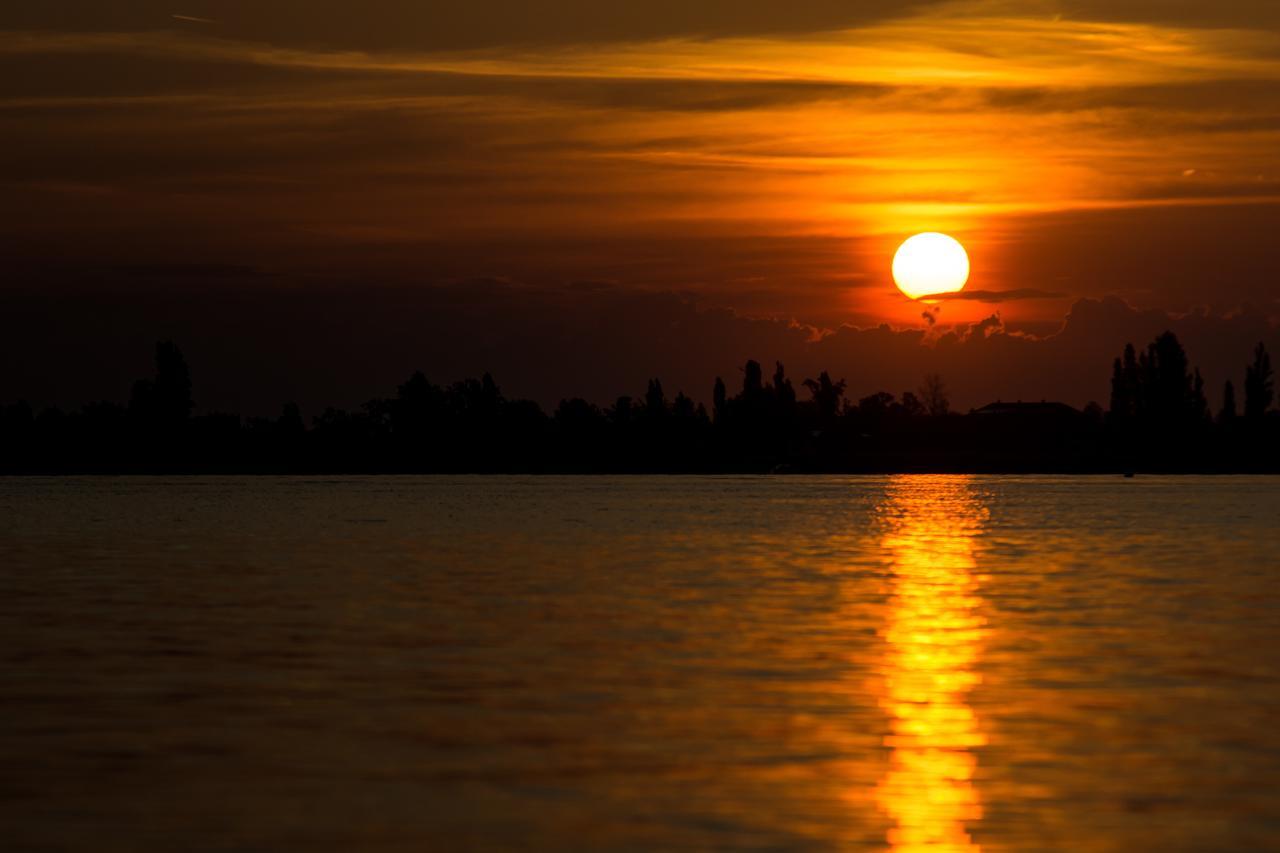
[{"x": 668, "y": 663}]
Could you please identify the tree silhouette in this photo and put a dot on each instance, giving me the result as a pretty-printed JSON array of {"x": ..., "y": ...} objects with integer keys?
[
  {"x": 1158, "y": 420},
  {"x": 578, "y": 416},
  {"x": 683, "y": 408},
  {"x": 752, "y": 382},
  {"x": 1126, "y": 395},
  {"x": 160, "y": 408},
  {"x": 826, "y": 396},
  {"x": 172, "y": 389},
  {"x": 876, "y": 405},
  {"x": 933, "y": 395},
  {"x": 1168, "y": 392},
  {"x": 1228, "y": 413},
  {"x": 622, "y": 412},
  {"x": 1157, "y": 393},
  {"x": 415, "y": 418},
  {"x": 655, "y": 401},
  {"x": 290, "y": 424},
  {"x": 164, "y": 402},
  {"x": 1259, "y": 388},
  {"x": 911, "y": 405},
  {"x": 783, "y": 392},
  {"x": 1199, "y": 403}
]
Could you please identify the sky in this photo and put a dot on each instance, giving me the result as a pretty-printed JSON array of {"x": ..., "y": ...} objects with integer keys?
[{"x": 316, "y": 198}]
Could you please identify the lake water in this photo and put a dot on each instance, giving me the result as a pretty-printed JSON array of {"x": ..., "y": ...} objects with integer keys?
[{"x": 666, "y": 663}]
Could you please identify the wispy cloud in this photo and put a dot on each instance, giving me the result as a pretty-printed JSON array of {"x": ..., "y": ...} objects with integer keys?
[
  {"x": 974, "y": 118},
  {"x": 951, "y": 48},
  {"x": 998, "y": 296}
]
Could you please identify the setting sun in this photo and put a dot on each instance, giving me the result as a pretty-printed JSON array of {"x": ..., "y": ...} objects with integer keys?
[{"x": 930, "y": 263}]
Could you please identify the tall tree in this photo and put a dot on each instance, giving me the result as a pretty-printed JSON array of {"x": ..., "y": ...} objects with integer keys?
[
  {"x": 752, "y": 381},
  {"x": 1158, "y": 389},
  {"x": 1120, "y": 399},
  {"x": 933, "y": 393},
  {"x": 782, "y": 389},
  {"x": 172, "y": 385},
  {"x": 1131, "y": 379},
  {"x": 826, "y": 395},
  {"x": 623, "y": 411},
  {"x": 1199, "y": 403},
  {"x": 163, "y": 404},
  {"x": 1259, "y": 387},
  {"x": 911, "y": 405},
  {"x": 655, "y": 401},
  {"x": 1228, "y": 413},
  {"x": 290, "y": 425},
  {"x": 1168, "y": 387},
  {"x": 417, "y": 405}
]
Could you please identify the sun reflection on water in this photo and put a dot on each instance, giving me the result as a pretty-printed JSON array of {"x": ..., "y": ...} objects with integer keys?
[{"x": 934, "y": 641}]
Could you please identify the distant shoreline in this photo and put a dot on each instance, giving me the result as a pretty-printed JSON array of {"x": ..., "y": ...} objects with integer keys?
[{"x": 1158, "y": 421}]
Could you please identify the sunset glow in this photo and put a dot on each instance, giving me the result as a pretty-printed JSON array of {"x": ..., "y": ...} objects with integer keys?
[
  {"x": 595, "y": 164},
  {"x": 668, "y": 425},
  {"x": 878, "y": 127}
]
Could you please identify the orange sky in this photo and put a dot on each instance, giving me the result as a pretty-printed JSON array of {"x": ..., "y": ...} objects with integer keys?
[{"x": 756, "y": 156}]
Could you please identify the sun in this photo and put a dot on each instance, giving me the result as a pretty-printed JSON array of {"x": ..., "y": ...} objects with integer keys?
[{"x": 930, "y": 263}]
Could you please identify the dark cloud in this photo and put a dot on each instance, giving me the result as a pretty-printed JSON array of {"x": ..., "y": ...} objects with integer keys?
[
  {"x": 1168, "y": 100},
  {"x": 439, "y": 24},
  {"x": 1245, "y": 14},
  {"x": 996, "y": 296},
  {"x": 1170, "y": 256}
]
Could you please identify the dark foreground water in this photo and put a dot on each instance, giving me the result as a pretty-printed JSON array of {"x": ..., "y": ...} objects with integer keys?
[{"x": 915, "y": 663}]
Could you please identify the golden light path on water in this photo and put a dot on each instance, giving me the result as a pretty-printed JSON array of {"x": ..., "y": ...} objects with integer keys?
[{"x": 934, "y": 639}]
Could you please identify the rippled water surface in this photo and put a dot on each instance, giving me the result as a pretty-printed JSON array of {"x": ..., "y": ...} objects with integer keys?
[{"x": 907, "y": 663}]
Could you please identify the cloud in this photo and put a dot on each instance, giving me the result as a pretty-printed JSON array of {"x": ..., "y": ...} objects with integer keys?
[
  {"x": 420, "y": 25},
  {"x": 995, "y": 296},
  {"x": 987, "y": 327},
  {"x": 764, "y": 159},
  {"x": 1262, "y": 14},
  {"x": 399, "y": 24},
  {"x": 933, "y": 49}
]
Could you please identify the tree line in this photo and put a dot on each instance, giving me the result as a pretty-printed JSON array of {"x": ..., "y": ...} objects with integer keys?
[
  {"x": 1158, "y": 420},
  {"x": 1159, "y": 410}
]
